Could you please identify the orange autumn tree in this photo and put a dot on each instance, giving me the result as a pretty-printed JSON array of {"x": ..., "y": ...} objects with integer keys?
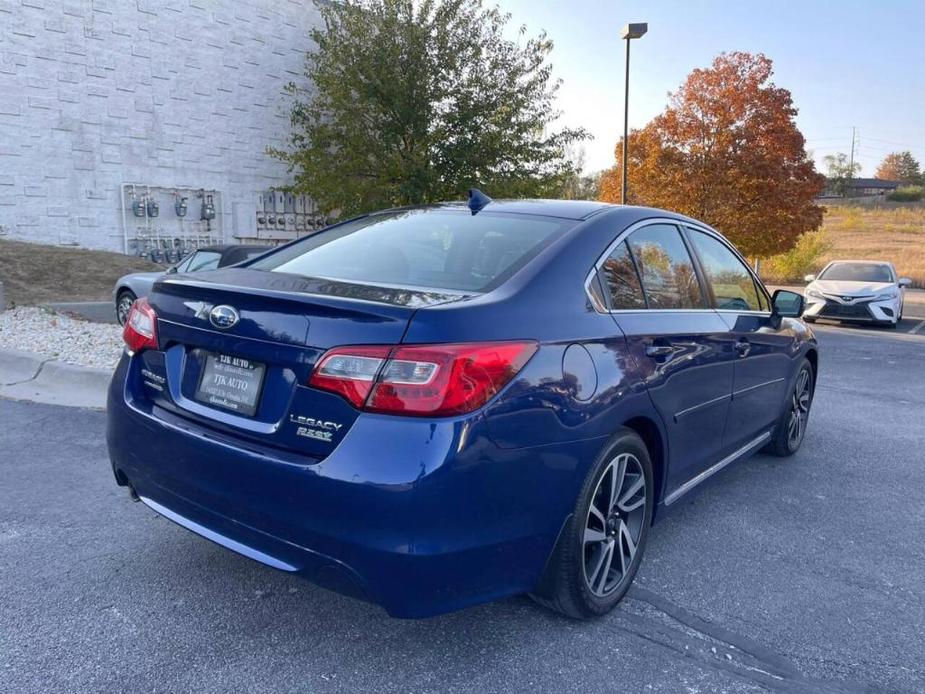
[{"x": 727, "y": 151}]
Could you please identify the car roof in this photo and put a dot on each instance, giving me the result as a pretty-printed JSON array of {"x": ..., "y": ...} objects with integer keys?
[
  {"x": 564, "y": 209},
  {"x": 225, "y": 247},
  {"x": 859, "y": 262}
]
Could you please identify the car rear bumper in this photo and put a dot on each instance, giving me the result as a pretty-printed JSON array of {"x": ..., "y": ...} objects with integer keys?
[{"x": 419, "y": 516}]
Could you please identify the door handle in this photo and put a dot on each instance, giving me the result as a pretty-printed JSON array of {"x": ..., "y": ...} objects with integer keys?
[
  {"x": 657, "y": 351},
  {"x": 743, "y": 347}
]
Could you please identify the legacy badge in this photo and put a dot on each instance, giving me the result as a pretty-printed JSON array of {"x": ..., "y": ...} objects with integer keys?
[{"x": 312, "y": 428}]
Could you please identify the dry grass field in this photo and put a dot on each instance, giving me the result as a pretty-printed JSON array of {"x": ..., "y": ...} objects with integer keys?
[
  {"x": 895, "y": 233},
  {"x": 33, "y": 274}
]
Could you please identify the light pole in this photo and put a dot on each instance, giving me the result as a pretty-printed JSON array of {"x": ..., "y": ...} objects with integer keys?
[{"x": 630, "y": 32}]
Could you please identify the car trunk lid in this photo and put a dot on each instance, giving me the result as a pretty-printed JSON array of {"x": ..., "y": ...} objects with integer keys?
[{"x": 248, "y": 378}]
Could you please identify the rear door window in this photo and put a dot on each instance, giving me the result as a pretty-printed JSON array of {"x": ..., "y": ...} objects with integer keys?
[
  {"x": 622, "y": 281},
  {"x": 665, "y": 268},
  {"x": 732, "y": 284},
  {"x": 431, "y": 248}
]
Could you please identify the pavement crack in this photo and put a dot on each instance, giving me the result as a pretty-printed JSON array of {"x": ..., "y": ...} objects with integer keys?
[
  {"x": 726, "y": 649},
  {"x": 34, "y": 376}
]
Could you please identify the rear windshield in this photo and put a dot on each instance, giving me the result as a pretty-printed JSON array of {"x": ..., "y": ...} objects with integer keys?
[
  {"x": 434, "y": 249},
  {"x": 858, "y": 272}
]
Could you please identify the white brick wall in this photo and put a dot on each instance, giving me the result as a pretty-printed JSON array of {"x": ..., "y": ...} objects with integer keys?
[{"x": 96, "y": 93}]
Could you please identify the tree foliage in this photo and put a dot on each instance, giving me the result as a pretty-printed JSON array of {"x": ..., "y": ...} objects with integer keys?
[
  {"x": 415, "y": 101},
  {"x": 840, "y": 170},
  {"x": 901, "y": 166},
  {"x": 727, "y": 150}
]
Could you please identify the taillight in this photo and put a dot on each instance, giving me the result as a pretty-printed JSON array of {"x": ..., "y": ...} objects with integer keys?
[
  {"x": 349, "y": 371},
  {"x": 435, "y": 380},
  {"x": 140, "y": 331}
]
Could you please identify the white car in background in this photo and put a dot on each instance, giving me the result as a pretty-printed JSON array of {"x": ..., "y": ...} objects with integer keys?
[{"x": 856, "y": 290}]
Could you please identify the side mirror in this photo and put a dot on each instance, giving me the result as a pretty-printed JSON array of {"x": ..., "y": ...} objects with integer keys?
[
  {"x": 904, "y": 281},
  {"x": 809, "y": 278},
  {"x": 172, "y": 270},
  {"x": 786, "y": 304}
]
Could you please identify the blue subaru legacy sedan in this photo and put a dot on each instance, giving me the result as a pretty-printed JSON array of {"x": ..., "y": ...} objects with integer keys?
[{"x": 435, "y": 407}]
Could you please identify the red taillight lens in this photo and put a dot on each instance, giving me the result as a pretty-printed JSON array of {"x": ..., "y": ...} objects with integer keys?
[
  {"x": 140, "y": 331},
  {"x": 349, "y": 371},
  {"x": 435, "y": 380}
]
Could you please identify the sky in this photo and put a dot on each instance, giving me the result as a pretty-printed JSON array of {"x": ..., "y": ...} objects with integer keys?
[{"x": 847, "y": 63}]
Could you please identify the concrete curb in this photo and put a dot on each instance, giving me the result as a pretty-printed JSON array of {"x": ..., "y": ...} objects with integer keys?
[
  {"x": 93, "y": 311},
  {"x": 16, "y": 367},
  {"x": 26, "y": 376}
]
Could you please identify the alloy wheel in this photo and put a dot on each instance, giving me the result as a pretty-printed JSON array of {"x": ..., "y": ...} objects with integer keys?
[
  {"x": 614, "y": 524},
  {"x": 799, "y": 409},
  {"x": 123, "y": 307}
]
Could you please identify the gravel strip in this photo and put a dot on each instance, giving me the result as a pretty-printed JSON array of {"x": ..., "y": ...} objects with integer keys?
[{"x": 56, "y": 336}]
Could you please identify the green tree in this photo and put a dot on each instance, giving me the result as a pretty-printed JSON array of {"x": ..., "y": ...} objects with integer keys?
[
  {"x": 412, "y": 102},
  {"x": 840, "y": 171},
  {"x": 901, "y": 166}
]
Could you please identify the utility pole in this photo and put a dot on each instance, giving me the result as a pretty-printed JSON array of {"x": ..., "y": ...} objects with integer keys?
[
  {"x": 626, "y": 124},
  {"x": 630, "y": 32},
  {"x": 851, "y": 158}
]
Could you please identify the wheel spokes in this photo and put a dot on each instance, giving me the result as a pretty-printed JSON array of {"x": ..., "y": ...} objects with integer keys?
[
  {"x": 799, "y": 408},
  {"x": 617, "y": 473},
  {"x": 596, "y": 513},
  {"x": 602, "y": 562},
  {"x": 620, "y": 495},
  {"x": 626, "y": 539},
  {"x": 592, "y": 536},
  {"x": 633, "y": 487}
]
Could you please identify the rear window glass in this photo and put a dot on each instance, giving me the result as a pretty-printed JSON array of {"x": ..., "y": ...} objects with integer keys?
[
  {"x": 857, "y": 272},
  {"x": 436, "y": 249},
  {"x": 203, "y": 260}
]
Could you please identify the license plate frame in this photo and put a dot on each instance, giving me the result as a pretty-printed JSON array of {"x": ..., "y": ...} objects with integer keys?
[{"x": 227, "y": 395}]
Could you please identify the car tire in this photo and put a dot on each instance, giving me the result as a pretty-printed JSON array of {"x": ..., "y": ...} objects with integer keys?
[
  {"x": 791, "y": 427},
  {"x": 582, "y": 578},
  {"x": 124, "y": 301}
]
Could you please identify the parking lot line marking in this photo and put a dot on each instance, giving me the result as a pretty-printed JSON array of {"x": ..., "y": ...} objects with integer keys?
[{"x": 917, "y": 328}]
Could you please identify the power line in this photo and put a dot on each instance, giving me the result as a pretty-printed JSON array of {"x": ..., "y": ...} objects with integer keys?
[{"x": 893, "y": 142}]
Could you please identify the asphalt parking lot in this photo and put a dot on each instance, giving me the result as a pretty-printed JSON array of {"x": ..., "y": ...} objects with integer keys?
[{"x": 797, "y": 575}]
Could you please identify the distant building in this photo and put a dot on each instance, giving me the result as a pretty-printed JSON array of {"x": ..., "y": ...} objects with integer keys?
[
  {"x": 862, "y": 188},
  {"x": 128, "y": 126}
]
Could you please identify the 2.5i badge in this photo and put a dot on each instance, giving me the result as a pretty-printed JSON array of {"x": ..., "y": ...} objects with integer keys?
[{"x": 317, "y": 429}]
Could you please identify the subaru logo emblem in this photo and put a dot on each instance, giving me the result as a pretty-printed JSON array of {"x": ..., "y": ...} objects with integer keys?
[{"x": 223, "y": 317}]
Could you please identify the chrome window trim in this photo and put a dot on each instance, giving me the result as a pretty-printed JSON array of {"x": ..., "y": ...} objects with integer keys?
[
  {"x": 662, "y": 310},
  {"x": 595, "y": 303},
  {"x": 742, "y": 313}
]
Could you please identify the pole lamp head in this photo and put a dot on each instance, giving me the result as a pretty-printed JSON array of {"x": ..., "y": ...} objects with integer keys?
[{"x": 634, "y": 31}]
